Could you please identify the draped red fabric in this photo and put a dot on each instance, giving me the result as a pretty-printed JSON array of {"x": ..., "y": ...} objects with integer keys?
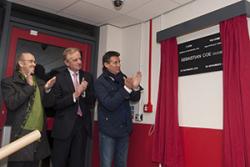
[
  {"x": 236, "y": 92},
  {"x": 168, "y": 145},
  {"x": 86, "y": 56}
]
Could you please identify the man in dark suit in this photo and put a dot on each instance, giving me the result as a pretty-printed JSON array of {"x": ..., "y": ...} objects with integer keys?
[
  {"x": 25, "y": 96},
  {"x": 74, "y": 94}
]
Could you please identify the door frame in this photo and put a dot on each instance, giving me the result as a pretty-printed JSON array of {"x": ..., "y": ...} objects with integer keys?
[
  {"x": 19, "y": 33},
  {"x": 22, "y": 33}
]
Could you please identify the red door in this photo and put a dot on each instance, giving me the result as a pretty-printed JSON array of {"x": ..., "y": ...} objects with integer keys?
[{"x": 27, "y": 36}]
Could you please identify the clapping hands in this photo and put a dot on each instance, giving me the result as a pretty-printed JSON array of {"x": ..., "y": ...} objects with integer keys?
[
  {"x": 81, "y": 88},
  {"x": 134, "y": 81},
  {"x": 137, "y": 80},
  {"x": 49, "y": 84},
  {"x": 29, "y": 79}
]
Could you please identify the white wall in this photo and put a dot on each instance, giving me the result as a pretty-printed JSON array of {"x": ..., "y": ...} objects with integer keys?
[
  {"x": 110, "y": 39},
  {"x": 192, "y": 10},
  {"x": 200, "y": 96},
  {"x": 134, "y": 40}
]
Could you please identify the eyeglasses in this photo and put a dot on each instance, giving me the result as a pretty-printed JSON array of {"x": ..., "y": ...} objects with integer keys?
[
  {"x": 115, "y": 63},
  {"x": 30, "y": 61}
]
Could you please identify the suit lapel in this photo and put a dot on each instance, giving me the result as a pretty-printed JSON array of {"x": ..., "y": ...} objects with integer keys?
[
  {"x": 81, "y": 76},
  {"x": 69, "y": 81}
]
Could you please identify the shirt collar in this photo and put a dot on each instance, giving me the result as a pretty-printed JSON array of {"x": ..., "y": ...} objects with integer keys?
[{"x": 72, "y": 72}]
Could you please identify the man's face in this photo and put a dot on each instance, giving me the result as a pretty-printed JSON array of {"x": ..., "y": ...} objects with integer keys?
[
  {"x": 113, "y": 65},
  {"x": 27, "y": 64},
  {"x": 73, "y": 61}
]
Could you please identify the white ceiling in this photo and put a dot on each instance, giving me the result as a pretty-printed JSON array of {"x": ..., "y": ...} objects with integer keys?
[{"x": 102, "y": 12}]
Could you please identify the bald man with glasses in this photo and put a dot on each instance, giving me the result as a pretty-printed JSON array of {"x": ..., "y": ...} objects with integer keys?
[{"x": 25, "y": 96}]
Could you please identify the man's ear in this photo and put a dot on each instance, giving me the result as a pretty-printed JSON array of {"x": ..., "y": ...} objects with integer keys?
[
  {"x": 20, "y": 63},
  {"x": 106, "y": 64},
  {"x": 66, "y": 63}
]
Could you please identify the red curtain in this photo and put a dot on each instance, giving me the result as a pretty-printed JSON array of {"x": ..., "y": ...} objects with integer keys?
[
  {"x": 86, "y": 56},
  {"x": 236, "y": 87},
  {"x": 168, "y": 145}
]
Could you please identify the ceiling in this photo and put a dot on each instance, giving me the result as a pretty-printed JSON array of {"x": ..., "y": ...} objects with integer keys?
[{"x": 102, "y": 12}]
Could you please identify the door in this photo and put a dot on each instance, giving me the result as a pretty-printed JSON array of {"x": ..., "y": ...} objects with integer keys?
[{"x": 47, "y": 50}]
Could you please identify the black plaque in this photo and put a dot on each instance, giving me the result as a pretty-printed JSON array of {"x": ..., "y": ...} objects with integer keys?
[{"x": 200, "y": 55}]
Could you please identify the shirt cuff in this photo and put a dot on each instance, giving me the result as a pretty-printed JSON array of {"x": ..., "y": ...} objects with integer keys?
[
  {"x": 47, "y": 91},
  {"x": 137, "y": 89},
  {"x": 74, "y": 98},
  {"x": 127, "y": 89}
]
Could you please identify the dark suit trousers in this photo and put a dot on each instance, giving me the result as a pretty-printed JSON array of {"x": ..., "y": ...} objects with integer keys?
[
  {"x": 23, "y": 164},
  {"x": 71, "y": 151}
]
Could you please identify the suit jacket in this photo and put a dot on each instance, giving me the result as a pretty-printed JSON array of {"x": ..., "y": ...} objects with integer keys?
[
  {"x": 66, "y": 108},
  {"x": 17, "y": 93}
]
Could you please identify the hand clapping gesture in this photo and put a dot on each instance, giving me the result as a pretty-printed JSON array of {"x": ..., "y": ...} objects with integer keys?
[
  {"x": 137, "y": 80},
  {"x": 49, "y": 84},
  {"x": 81, "y": 88},
  {"x": 133, "y": 82},
  {"x": 29, "y": 79}
]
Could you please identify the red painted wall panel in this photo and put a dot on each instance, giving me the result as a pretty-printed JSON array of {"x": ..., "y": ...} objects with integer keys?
[
  {"x": 202, "y": 147},
  {"x": 140, "y": 147}
]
